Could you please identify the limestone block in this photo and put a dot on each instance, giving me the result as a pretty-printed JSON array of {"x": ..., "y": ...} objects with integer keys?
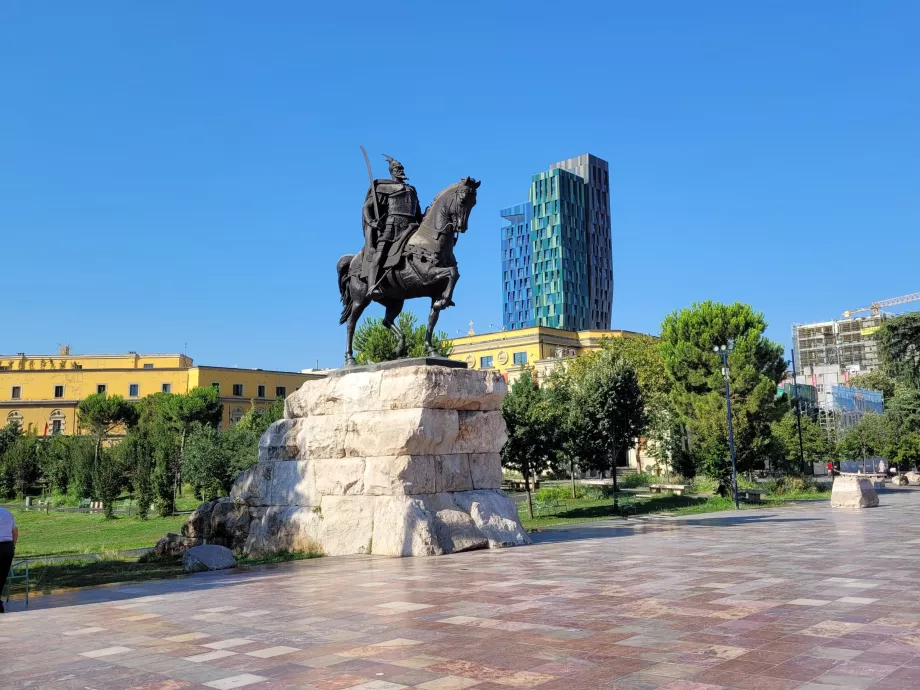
[
  {"x": 486, "y": 470},
  {"x": 277, "y": 529},
  {"x": 440, "y": 387},
  {"x": 279, "y": 442},
  {"x": 198, "y": 524},
  {"x": 480, "y": 432},
  {"x": 397, "y": 388},
  {"x": 323, "y": 436},
  {"x": 454, "y": 528},
  {"x": 453, "y": 473},
  {"x": 208, "y": 557},
  {"x": 339, "y": 477},
  {"x": 229, "y": 522},
  {"x": 347, "y": 524},
  {"x": 252, "y": 486},
  {"x": 853, "y": 492},
  {"x": 416, "y": 431},
  {"x": 400, "y": 474},
  {"x": 292, "y": 484},
  {"x": 333, "y": 395},
  {"x": 402, "y": 527},
  {"x": 173, "y": 545},
  {"x": 913, "y": 477},
  {"x": 495, "y": 516}
]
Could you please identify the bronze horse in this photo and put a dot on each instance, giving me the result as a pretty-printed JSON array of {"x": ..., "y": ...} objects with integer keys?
[{"x": 426, "y": 267}]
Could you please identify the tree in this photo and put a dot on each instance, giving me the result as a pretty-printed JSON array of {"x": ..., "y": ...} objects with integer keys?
[
  {"x": 612, "y": 407},
  {"x": 756, "y": 366},
  {"x": 531, "y": 426},
  {"x": 907, "y": 451},
  {"x": 870, "y": 438},
  {"x": 20, "y": 466},
  {"x": 258, "y": 420},
  {"x": 899, "y": 343},
  {"x": 108, "y": 479},
  {"x": 101, "y": 414},
  {"x": 874, "y": 381},
  {"x": 815, "y": 444},
  {"x": 375, "y": 342},
  {"x": 213, "y": 459},
  {"x": 198, "y": 406},
  {"x": 136, "y": 453}
]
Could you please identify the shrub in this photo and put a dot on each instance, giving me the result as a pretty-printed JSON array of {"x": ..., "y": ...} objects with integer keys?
[
  {"x": 704, "y": 485},
  {"x": 635, "y": 480},
  {"x": 563, "y": 492}
]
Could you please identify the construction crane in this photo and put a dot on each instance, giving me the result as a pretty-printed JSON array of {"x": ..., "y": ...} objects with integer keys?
[{"x": 876, "y": 306}]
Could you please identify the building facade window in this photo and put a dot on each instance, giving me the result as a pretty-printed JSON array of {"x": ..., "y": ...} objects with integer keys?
[
  {"x": 148, "y": 366},
  {"x": 215, "y": 385},
  {"x": 59, "y": 391},
  {"x": 238, "y": 389},
  {"x": 57, "y": 422},
  {"x": 134, "y": 390},
  {"x": 14, "y": 417},
  {"x": 101, "y": 388},
  {"x": 15, "y": 392},
  {"x": 166, "y": 388},
  {"x": 236, "y": 414},
  {"x": 520, "y": 358},
  {"x": 260, "y": 392},
  {"x": 485, "y": 362},
  {"x": 281, "y": 392}
]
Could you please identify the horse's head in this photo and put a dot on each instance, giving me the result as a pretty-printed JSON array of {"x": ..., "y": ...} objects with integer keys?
[{"x": 465, "y": 196}]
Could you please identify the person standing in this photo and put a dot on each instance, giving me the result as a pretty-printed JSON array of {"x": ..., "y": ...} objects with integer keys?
[{"x": 9, "y": 535}]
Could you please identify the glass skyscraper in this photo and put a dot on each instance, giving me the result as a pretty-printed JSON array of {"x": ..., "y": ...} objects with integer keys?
[{"x": 557, "y": 267}]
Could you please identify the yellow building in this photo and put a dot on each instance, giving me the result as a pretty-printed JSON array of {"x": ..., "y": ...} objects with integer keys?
[
  {"x": 41, "y": 392},
  {"x": 539, "y": 348}
]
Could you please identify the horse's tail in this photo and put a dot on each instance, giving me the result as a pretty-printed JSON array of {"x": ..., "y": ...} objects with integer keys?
[{"x": 344, "y": 291}]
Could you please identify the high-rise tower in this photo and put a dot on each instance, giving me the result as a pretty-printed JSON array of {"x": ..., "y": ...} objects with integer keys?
[{"x": 557, "y": 267}]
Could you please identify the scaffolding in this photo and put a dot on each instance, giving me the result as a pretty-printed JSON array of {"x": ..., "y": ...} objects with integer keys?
[{"x": 845, "y": 343}]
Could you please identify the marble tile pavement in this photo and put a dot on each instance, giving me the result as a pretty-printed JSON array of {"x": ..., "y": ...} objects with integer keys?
[{"x": 801, "y": 598}]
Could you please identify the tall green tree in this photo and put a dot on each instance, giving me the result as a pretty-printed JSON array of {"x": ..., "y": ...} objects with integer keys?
[
  {"x": 101, "y": 415},
  {"x": 611, "y": 405},
  {"x": 532, "y": 426},
  {"x": 20, "y": 465},
  {"x": 872, "y": 437},
  {"x": 874, "y": 381},
  {"x": 815, "y": 444},
  {"x": 756, "y": 366},
  {"x": 374, "y": 342},
  {"x": 899, "y": 343}
]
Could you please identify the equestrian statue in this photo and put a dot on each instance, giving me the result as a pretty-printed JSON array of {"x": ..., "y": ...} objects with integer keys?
[{"x": 406, "y": 253}]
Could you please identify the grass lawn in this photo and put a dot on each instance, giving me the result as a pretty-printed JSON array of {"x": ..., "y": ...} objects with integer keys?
[
  {"x": 46, "y": 578},
  {"x": 587, "y": 510},
  {"x": 53, "y": 533}
]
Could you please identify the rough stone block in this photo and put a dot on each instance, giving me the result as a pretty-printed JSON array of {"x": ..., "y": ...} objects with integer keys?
[
  {"x": 339, "y": 477},
  {"x": 402, "y": 527},
  {"x": 495, "y": 515},
  {"x": 454, "y": 528},
  {"x": 252, "y": 486},
  {"x": 400, "y": 474},
  {"x": 334, "y": 395},
  {"x": 277, "y": 529},
  {"x": 486, "y": 470},
  {"x": 292, "y": 484},
  {"x": 441, "y": 388},
  {"x": 198, "y": 524},
  {"x": 453, "y": 473},
  {"x": 913, "y": 477},
  {"x": 208, "y": 557},
  {"x": 279, "y": 442},
  {"x": 229, "y": 522},
  {"x": 480, "y": 432},
  {"x": 323, "y": 437},
  {"x": 416, "y": 431},
  {"x": 853, "y": 492},
  {"x": 347, "y": 524}
]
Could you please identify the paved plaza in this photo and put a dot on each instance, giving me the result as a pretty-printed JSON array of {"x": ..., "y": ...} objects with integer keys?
[{"x": 801, "y": 597}]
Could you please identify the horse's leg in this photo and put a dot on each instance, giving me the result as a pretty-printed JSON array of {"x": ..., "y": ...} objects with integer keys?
[
  {"x": 394, "y": 307},
  {"x": 452, "y": 275},
  {"x": 430, "y": 350},
  {"x": 359, "y": 303}
]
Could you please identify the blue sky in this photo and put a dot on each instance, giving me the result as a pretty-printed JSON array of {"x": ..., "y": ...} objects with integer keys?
[{"x": 181, "y": 175}]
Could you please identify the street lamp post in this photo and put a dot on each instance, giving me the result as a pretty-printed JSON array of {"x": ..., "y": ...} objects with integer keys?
[{"x": 723, "y": 351}]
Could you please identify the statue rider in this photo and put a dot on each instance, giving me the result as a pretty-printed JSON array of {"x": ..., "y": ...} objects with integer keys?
[{"x": 399, "y": 213}]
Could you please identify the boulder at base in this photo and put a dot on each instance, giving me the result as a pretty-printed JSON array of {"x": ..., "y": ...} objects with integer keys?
[
  {"x": 208, "y": 557},
  {"x": 852, "y": 491}
]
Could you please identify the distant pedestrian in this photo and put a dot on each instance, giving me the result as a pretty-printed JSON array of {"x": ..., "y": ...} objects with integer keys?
[{"x": 9, "y": 535}]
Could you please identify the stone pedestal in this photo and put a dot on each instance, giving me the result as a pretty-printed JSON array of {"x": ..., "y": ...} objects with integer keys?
[
  {"x": 853, "y": 491},
  {"x": 399, "y": 459}
]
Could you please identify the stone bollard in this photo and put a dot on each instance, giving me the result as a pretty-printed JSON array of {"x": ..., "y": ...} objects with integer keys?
[{"x": 853, "y": 491}]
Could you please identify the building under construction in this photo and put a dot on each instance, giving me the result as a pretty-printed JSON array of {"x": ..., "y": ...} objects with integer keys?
[{"x": 828, "y": 353}]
